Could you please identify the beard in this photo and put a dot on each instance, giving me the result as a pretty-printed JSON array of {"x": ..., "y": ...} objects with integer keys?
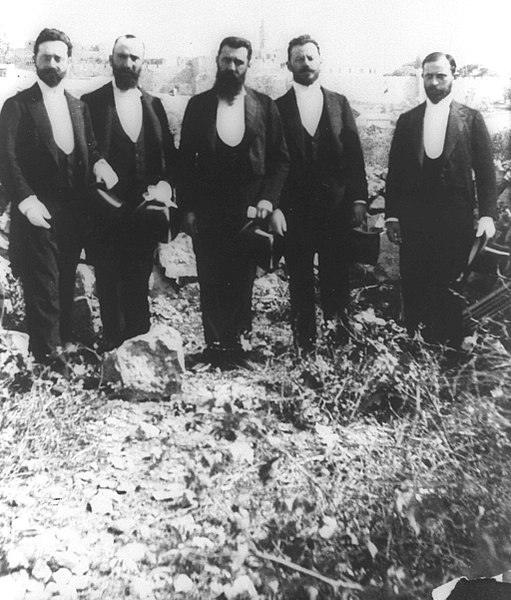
[
  {"x": 51, "y": 77},
  {"x": 306, "y": 76},
  {"x": 435, "y": 95},
  {"x": 126, "y": 79},
  {"x": 228, "y": 84}
]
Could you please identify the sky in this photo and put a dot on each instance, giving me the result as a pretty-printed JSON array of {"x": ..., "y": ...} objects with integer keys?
[{"x": 379, "y": 33}]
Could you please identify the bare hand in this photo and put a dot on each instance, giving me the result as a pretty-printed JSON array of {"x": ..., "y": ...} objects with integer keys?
[
  {"x": 394, "y": 232},
  {"x": 278, "y": 223},
  {"x": 264, "y": 208},
  {"x": 359, "y": 213}
]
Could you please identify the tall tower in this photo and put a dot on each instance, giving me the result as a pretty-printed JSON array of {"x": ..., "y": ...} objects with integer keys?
[{"x": 262, "y": 38}]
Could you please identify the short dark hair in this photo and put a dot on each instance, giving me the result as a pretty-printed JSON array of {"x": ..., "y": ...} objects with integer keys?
[
  {"x": 434, "y": 56},
  {"x": 236, "y": 42},
  {"x": 301, "y": 40},
  {"x": 52, "y": 35},
  {"x": 128, "y": 36}
]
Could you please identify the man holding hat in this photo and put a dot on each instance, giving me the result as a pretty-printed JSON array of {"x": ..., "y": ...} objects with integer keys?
[
  {"x": 133, "y": 134},
  {"x": 430, "y": 200}
]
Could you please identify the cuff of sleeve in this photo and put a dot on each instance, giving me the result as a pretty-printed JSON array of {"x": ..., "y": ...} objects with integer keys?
[
  {"x": 25, "y": 205},
  {"x": 265, "y": 204},
  {"x": 392, "y": 220}
]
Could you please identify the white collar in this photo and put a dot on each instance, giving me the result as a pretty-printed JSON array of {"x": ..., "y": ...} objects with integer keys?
[
  {"x": 46, "y": 90},
  {"x": 300, "y": 89},
  {"x": 135, "y": 92},
  {"x": 444, "y": 104}
]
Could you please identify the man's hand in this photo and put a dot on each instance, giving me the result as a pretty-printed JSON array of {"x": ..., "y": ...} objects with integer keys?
[
  {"x": 394, "y": 231},
  {"x": 278, "y": 223},
  {"x": 359, "y": 213},
  {"x": 105, "y": 174},
  {"x": 485, "y": 226},
  {"x": 190, "y": 224},
  {"x": 35, "y": 211},
  {"x": 263, "y": 208}
]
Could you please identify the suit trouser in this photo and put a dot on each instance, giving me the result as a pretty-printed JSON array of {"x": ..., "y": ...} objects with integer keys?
[
  {"x": 48, "y": 272},
  {"x": 122, "y": 284},
  {"x": 226, "y": 278},
  {"x": 316, "y": 233},
  {"x": 432, "y": 256}
]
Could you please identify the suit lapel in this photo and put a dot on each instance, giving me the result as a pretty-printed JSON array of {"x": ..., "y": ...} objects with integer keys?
[
  {"x": 41, "y": 120},
  {"x": 75, "y": 110},
  {"x": 210, "y": 109},
  {"x": 294, "y": 122},
  {"x": 454, "y": 128},
  {"x": 150, "y": 118},
  {"x": 417, "y": 131},
  {"x": 253, "y": 120},
  {"x": 334, "y": 114}
]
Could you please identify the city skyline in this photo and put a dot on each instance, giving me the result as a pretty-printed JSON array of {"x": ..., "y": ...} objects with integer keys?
[{"x": 379, "y": 34}]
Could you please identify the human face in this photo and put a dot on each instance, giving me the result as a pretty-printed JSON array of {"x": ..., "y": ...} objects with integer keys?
[
  {"x": 305, "y": 63},
  {"x": 438, "y": 78},
  {"x": 127, "y": 60},
  {"x": 52, "y": 62},
  {"x": 232, "y": 66}
]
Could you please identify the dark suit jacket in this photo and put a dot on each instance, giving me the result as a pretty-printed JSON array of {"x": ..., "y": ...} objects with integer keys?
[
  {"x": 348, "y": 182},
  {"x": 268, "y": 155},
  {"x": 467, "y": 147},
  {"x": 29, "y": 157},
  {"x": 161, "y": 165},
  {"x": 101, "y": 104},
  {"x": 28, "y": 153}
]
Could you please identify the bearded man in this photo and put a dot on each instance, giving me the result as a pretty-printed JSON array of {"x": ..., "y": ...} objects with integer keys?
[
  {"x": 47, "y": 149},
  {"x": 132, "y": 132},
  {"x": 233, "y": 156},
  {"x": 438, "y": 149}
]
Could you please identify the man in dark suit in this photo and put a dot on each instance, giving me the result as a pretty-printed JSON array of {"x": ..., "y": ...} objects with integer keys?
[
  {"x": 325, "y": 194},
  {"x": 234, "y": 156},
  {"x": 47, "y": 149},
  {"x": 430, "y": 200},
  {"x": 132, "y": 132}
]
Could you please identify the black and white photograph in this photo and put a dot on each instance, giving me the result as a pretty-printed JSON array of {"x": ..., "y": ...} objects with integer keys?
[{"x": 255, "y": 300}]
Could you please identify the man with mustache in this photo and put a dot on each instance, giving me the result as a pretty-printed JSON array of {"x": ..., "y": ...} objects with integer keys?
[
  {"x": 47, "y": 149},
  {"x": 133, "y": 134},
  {"x": 234, "y": 157},
  {"x": 430, "y": 200},
  {"x": 324, "y": 196}
]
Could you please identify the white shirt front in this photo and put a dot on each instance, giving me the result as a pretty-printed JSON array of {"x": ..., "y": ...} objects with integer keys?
[
  {"x": 230, "y": 119},
  {"x": 310, "y": 105},
  {"x": 58, "y": 112},
  {"x": 435, "y": 126},
  {"x": 129, "y": 110}
]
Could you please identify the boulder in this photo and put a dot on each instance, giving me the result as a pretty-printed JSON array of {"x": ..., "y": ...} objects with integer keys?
[
  {"x": 148, "y": 366},
  {"x": 85, "y": 281},
  {"x": 83, "y": 329},
  {"x": 177, "y": 258},
  {"x": 14, "y": 341}
]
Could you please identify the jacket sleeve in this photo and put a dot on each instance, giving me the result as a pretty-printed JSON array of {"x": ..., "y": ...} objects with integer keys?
[
  {"x": 169, "y": 149},
  {"x": 482, "y": 163},
  {"x": 11, "y": 172},
  {"x": 187, "y": 184},
  {"x": 357, "y": 181},
  {"x": 277, "y": 157},
  {"x": 393, "y": 193}
]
